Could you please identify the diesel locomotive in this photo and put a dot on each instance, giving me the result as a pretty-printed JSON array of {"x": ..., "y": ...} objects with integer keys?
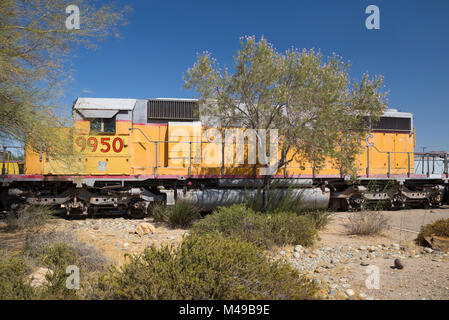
[{"x": 130, "y": 153}]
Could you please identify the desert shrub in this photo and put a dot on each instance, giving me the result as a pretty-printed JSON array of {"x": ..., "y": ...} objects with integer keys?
[
  {"x": 33, "y": 216},
  {"x": 14, "y": 281},
  {"x": 57, "y": 258},
  {"x": 182, "y": 214},
  {"x": 57, "y": 251},
  {"x": 204, "y": 267},
  {"x": 439, "y": 228},
  {"x": 289, "y": 228},
  {"x": 320, "y": 218},
  {"x": 367, "y": 222},
  {"x": 159, "y": 212},
  {"x": 236, "y": 221},
  {"x": 287, "y": 200},
  {"x": 90, "y": 258},
  {"x": 261, "y": 229}
]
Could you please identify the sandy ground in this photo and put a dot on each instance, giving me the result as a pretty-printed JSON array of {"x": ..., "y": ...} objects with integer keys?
[{"x": 425, "y": 275}]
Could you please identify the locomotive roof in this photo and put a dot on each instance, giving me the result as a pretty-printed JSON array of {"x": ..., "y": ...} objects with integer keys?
[
  {"x": 396, "y": 114},
  {"x": 104, "y": 104},
  {"x": 128, "y": 104}
]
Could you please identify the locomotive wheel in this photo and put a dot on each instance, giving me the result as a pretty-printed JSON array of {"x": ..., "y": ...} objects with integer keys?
[
  {"x": 137, "y": 209},
  {"x": 356, "y": 201},
  {"x": 397, "y": 201},
  {"x": 434, "y": 200}
]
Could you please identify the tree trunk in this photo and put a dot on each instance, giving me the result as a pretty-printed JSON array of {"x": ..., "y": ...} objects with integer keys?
[{"x": 265, "y": 191}]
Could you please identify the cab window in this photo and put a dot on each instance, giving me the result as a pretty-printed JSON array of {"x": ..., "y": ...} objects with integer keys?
[
  {"x": 109, "y": 125},
  {"x": 102, "y": 125}
]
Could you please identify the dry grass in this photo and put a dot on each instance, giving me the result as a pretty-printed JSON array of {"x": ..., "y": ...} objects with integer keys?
[
  {"x": 367, "y": 223},
  {"x": 29, "y": 217}
]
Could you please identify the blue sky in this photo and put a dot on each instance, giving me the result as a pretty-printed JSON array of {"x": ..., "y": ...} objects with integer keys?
[{"x": 163, "y": 38}]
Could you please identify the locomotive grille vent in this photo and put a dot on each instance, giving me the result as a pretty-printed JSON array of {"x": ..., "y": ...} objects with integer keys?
[
  {"x": 172, "y": 110},
  {"x": 393, "y": 124}
]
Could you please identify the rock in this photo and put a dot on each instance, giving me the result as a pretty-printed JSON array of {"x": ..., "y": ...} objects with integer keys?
[
  {"x": 171, "y": 238},
  {"x": 38, "y": 278},
  {"x": 144, "y": 228},
  {"x": 126, "y": 244},
  {"x": 362, "y": 295},
  {"x": 395, "y": 245},
  {"x": 428, "y": 250},
  {"x": 333, "y": 286},
  {"x": 282, "y": 253},
  {"x": 298, "y": 248},
  {"x": 398, "y": 264},
  {"x": 362, "y": 248},
  {"x": 364, "y": 263},
  {"x": 349, "y": 292},
  {"x": 296, "y": 255}
]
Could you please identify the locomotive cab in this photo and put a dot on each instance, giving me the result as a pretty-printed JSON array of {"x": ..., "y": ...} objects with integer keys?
[{"x": 102, "y": 135}]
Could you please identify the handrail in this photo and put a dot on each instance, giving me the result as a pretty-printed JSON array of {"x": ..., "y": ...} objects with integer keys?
[{"x": 368, "y": 145}]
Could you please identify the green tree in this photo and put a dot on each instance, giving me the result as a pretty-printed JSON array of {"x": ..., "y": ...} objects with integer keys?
[
  {"x": 319, "y": 113},
  {"x": 35, "y": 47}
]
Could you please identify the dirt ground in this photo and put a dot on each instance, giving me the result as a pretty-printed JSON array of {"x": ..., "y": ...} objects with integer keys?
[
  {"x": 424, "y": 276},
  {"x": 338, "y": 262}
]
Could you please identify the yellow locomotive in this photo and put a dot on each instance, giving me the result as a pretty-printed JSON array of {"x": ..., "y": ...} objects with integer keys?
[{"x": 128, "y": 153}]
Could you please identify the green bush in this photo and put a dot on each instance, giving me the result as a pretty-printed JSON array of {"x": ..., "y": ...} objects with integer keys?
[
  {"x": 159, "y": 212},
  {"x": 289, "y": 228},
  {"x": 439, "y": 228},
  {"x": 320, "y": 218},
  {"x": 14, "y": 281},
  {"x": 55, "y": 251},
  {"x": 182, "y": 214},
  {"x": 204, "y": 267},
  {"x": 57, "y": 258},
  {"x": 261, "y": 229},
  {"x": 287, "y": 200}
]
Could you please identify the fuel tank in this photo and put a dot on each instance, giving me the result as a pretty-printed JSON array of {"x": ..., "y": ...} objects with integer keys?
[{"x": 312, "y": 198}]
